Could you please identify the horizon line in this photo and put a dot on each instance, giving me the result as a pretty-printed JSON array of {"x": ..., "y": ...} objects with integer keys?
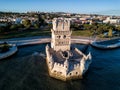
[{"x": 90, "y": 13}]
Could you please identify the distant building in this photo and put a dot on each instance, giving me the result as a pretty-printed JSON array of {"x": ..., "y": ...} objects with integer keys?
[
  {"x": 18, "y": 20},
  {"x": 112, "y": 20}
]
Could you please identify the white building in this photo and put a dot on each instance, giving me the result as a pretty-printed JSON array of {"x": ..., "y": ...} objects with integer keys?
[{"x": 111, "y": 20}]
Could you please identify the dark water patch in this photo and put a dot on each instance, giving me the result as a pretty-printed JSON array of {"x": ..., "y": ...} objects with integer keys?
[
  {"x": 108, "y": 42},
  {"x": 28, "y": 71}
]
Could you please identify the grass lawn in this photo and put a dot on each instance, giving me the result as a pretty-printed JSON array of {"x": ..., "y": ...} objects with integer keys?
[
  {"x": 29, "y": 33},
  {"x": 86, "y": 33}
]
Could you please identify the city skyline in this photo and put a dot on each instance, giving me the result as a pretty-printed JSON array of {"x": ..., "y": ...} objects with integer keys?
[{"x": 106, "y": 7}]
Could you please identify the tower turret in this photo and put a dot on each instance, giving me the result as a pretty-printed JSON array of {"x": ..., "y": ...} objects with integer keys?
[{"x": 66, "y": 66}]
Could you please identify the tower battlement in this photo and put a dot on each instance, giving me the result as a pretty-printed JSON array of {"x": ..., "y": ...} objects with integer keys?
[{"x": 62, "y": 24}]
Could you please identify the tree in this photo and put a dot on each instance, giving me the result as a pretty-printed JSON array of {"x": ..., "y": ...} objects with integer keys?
[
  {"x": 118, "y": 29},
  {"x": 50, "y": 25},
  {"x": 5, "y": 47},
  {"x": 36, "y": 25},
  {"x": 110, "y": 33},
  {"x": 26, "y": 23},
  {"x": 14, "y": 27},
  {"x": 2, "y": 29},
  {"x": 20, "y": 25}
]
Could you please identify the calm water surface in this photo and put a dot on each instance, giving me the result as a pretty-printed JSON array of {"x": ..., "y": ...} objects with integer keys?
[{"x": 27, "y": 71}]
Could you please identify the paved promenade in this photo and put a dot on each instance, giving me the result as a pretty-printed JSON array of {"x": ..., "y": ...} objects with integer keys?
[{"x": 43, "y": 39}]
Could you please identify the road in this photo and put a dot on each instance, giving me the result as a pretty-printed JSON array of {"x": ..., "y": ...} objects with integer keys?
[{"x": 43, "y": 39}]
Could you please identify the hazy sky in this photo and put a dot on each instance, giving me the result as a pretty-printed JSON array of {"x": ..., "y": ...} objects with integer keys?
[{"x": 76, "y": 6}]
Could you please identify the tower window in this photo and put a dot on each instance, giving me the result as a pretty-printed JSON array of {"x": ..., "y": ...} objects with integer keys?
[
  {"x": 64, "y": 36},
  {"x": 60, "y": 72},
  {"x": 55, "y": 71},
  {"x": 58, "y": 37},
  {"x": 76, "y": 72}
]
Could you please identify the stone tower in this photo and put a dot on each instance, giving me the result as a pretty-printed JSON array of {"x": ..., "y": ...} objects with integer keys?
[
  {"x": 65, "y": 63},
  {"x": 61, "y": 34}
]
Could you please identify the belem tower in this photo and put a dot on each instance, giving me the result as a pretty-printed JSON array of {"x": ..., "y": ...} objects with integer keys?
[{"x": 65, "y": 63}]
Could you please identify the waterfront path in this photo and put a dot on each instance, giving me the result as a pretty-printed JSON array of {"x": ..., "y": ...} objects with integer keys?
[{"x": 43, "y": 39}]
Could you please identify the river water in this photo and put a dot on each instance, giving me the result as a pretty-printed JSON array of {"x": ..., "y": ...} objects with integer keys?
[{"x": 28, "y": 71}]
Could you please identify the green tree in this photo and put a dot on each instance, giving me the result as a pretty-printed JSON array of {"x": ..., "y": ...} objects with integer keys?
[
  {"x": 50, "y": 25},
  {"x": 26, "y": 23},
  {"x": 110, "y": 33},
  {"x": 14, "y": 27},
  {"x": 36, "y": 26},
  {"x": 5, "y": 47},
  {"x": 2, "y": 29},
  {"x": 20, "y": 25},
  {"x": 118, "y": 29}
]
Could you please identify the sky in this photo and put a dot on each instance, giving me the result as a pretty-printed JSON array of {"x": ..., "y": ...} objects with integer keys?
[{"x": 70, "y": 6}]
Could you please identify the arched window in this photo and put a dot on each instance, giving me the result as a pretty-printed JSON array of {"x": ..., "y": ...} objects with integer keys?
[
  {"x": 76, "y": 72},
  {"x": 60, "y": 72},
  {"x": 64, "y": 36},
  {"x": 58, "y": 37}
]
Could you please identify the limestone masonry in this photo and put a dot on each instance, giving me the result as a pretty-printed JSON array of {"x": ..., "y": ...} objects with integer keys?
[{"x": 64, "y": 62}]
